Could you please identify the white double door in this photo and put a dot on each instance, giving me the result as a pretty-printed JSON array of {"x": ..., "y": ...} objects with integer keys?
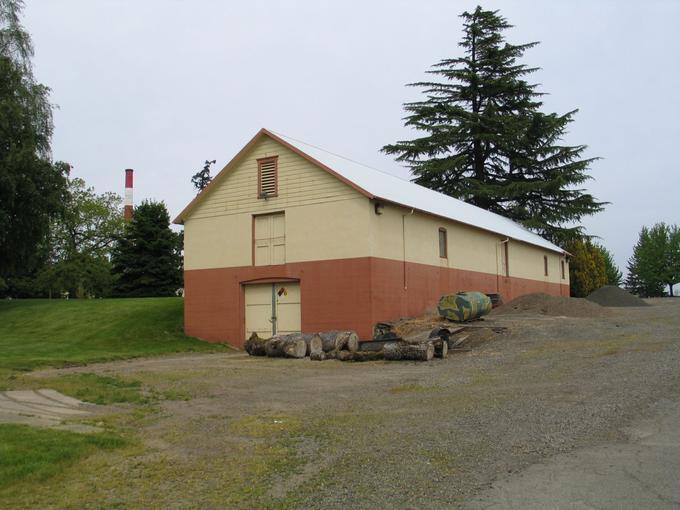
[{"x": 273, "y": 308}]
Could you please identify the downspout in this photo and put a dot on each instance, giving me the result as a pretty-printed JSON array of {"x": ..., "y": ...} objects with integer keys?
[
  {"x": 403, "y": 243},
  {"x": 498, "y": 266}
]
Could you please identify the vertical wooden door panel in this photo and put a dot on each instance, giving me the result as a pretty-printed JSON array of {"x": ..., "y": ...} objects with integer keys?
[
  {"x": 270, "y": 239},
  {"x": 259, "y": 309},
  {"x": 288, "y": 307}
]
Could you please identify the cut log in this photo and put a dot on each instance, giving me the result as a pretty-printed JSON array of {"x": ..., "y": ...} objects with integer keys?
[
  {"x": 286, "y": 346},
  {"x": 406, "y": 351},
  {"x": 317, "y": 356},
  {"x": 362, "y": 356},
  {"x": 441, "y": 347},
  {"x": 338, "y": 340},
  {"x": 314, "y": 343},
  {"x": 255, "y": 345},
  {"x": 352, "y": 343},
  {"x": 344, "y": 355},
  {"x": 331, "y": 354},
  {"x": 375, "y": 345}
]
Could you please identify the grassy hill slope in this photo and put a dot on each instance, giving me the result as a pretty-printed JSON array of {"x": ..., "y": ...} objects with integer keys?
[{"x": 37, "y": 333}]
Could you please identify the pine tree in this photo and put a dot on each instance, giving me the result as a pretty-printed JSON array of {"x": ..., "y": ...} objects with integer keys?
[
  {"x": 486, "y": 141},
  {"x": 147, "y": 260},
  {"x": 202, "y": 178}
]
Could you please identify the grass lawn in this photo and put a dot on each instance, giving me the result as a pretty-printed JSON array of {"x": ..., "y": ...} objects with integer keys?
[
  {"x": 40, "y": 333},
  {"x": 36, "y": 453},
  {"x": 35, "y": 333}
]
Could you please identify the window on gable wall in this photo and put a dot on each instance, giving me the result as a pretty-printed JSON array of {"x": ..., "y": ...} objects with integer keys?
[
  {"x": 267, "y": 177},
  {"x": 443, "y": 251}
]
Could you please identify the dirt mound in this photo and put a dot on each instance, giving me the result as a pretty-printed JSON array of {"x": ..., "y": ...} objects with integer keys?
[
  {"x": 610, "y": 295},
  {"x": 543, "y": 304}
]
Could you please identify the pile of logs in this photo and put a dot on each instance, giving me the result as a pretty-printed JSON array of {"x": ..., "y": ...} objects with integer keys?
[
  {"x": 344, "y": 345},
  {"x": 317, "y": 346}
]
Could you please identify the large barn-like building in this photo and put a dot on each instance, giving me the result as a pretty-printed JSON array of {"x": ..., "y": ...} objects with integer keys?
[{"x": 289, "y": 237}]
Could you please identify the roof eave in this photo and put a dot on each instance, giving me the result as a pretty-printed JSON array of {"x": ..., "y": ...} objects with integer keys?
[{"x": 429, "y": 213}]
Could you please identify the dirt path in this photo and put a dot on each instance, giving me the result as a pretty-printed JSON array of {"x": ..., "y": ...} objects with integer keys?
[{"x": 271, "y": 433}]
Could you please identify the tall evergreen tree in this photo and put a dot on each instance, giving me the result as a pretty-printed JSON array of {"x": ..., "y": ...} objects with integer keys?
[
  {"x": 486, "y": 141},
  {"x": 32, "y": 188},
  {"x": 147, "y": 260}
]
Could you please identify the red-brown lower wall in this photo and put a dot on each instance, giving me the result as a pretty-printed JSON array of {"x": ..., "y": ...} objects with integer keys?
[
  {"x": 334, "y": 294},
  {"x": 405, "y": 290},
  {"x": 337, "y": 294}
]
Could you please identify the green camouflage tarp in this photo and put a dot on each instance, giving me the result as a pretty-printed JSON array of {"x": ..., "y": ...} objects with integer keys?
[{"x": 464, "y": 306}]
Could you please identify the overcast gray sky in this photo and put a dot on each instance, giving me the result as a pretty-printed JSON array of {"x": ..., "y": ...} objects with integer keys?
[{"x": 162, "y": 85}]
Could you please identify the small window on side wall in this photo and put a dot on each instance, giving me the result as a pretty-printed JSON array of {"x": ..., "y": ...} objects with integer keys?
[
  {"x": 545, "y": 265},
  {"x": 443, "y": 251},
  {"x": 563, "y": 272},
  {"x": 267, "y": 177}
]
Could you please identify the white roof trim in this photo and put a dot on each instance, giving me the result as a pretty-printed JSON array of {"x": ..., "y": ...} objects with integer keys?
[{"x": 393, "y": 189}]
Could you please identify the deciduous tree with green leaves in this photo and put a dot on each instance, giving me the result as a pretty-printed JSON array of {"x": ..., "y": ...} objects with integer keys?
[
  {"x": 81, "y": 241},
  {"x": 655, "y": 262},
  {"x": 587, "y": 267},
  {"x": 485, "y": 140},
  {"x": 147, "y": 260},
  {"x": 32, "y": 188}
]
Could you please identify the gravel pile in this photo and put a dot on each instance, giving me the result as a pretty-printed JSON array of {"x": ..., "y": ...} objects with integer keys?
[
  {"x": 544, "y": 304},
  {"x": 610, "y": 295}
]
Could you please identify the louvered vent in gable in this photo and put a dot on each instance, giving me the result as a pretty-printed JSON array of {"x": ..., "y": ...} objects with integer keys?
[{"x": 267, "y": 177}]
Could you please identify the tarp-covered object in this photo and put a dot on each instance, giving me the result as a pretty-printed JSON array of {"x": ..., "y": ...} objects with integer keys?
[{"x": 464, "y": 306}]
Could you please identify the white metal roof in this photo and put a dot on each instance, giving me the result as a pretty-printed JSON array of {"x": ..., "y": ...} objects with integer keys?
[{"x": 393, "y": 189}]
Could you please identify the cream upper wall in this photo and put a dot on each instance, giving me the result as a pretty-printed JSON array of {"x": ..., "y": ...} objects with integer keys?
[
  {"x": 469, "y": 248},
  {"x": 526, "y": 261},
  {"x": 325, "y": 218}
]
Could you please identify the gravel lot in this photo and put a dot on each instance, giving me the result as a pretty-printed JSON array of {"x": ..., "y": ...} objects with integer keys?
[{"x": 271, "y": 433}]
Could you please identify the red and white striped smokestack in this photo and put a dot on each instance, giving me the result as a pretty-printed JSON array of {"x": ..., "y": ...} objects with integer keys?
[{"x": 127, "y": 214}]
